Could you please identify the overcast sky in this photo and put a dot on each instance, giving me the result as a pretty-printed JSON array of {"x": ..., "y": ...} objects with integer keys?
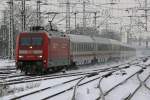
[{"x": 102, "y": 6}]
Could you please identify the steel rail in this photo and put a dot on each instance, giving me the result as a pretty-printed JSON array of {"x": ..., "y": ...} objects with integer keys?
[
  {"x": 142, "y": 83},
  {"x": 55, "y": 86},
  {"x": 107, "y": 92}
]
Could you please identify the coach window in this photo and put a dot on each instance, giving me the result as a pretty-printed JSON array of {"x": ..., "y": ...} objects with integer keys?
[
  {"x": 98, "y": 47},
  {"x": 116, "y": 46},
  {"x": 72, "y": 46},
  {"x": 91, "y": 46},
  {"x": 75, "y": 46},
  {"x": 83, "y": 46},
  {"x": 88, "y": 46},
  {"x": 79, "y": 49},
  {"x": 79, "y": 45}
]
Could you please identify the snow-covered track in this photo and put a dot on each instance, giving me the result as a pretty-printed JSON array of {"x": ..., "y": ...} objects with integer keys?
[
  {"x": 142, "y": 83},
  {"x": 115, "y": 86},
  {"x": 146, "y": 84},
  {"x": 40, "y": 90},
  {"x": 78, "y": 75},
  {"x": 7, "y": 70},
  {"x": 84, "y": 83},
  {"x": 26, "y": 79},
  {"x": 61, "y": 84}
]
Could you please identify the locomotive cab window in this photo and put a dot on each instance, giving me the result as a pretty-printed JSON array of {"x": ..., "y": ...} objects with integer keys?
[
  {"x": 37, "y": 41},
  {"x": 25, "y": 41}
]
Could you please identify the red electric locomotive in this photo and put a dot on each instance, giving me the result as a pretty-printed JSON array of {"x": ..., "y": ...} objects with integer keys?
[
  {"x": 38, "y": 51},
  {"x": 41, "y": 51}
]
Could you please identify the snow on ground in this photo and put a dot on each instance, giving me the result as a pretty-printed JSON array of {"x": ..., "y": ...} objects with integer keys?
[
  {"x": 145, "y": 73},
  {"x": 147, "y": 62},
  {"x": 90, "y": 90},
  {"x": 148, "y": 82},
  {"x": 5, "y": 62},
  {"x": 129, "y": 87},
  {"x": 38, "y": 85},
  {"x": 123, "y": 90},
  {"x": 115, "y": 79},
  {"x": 142, "y": 94}
]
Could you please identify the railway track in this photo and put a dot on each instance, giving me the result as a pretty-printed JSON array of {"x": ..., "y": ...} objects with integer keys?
[
  {"x": 29, "y": 79},
  {"x": 142, "y": 83},
  {"x": 17, "y": 79},
  {"x": 117, "y": 85},
  {"x": 70, "y": 85},
  {"x": 47, "y": 77},
  {"x": 83, "y": 83},
  {"x": 69, "y": 88},
  {"x": 7, "y": 70}
]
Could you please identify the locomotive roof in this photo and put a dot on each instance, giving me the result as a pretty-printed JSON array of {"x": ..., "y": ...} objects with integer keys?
[{"x": 80, "y": 38}]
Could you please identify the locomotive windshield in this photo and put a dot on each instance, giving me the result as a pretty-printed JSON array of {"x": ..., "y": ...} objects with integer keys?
[
  {"x": 37, "y": 41},
  {"x": 27, "y": 41}
]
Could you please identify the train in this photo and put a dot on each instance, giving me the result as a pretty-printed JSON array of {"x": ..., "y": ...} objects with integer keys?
[{"x": 39, "y": 51}]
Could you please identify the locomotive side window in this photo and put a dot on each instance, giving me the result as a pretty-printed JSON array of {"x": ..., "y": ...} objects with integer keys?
[
  {"x": 25, "y": 41},
  {"x": 36, "y": 41}
]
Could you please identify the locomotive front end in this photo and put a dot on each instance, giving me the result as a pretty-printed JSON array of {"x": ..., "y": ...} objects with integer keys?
[{"x": 31, "y": 53}]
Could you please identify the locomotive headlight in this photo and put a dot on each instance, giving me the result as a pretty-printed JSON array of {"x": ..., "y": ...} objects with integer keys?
[
  {"x": 40, "y": 56},
  {"x": 20, "y": 56},
  {"x": 30, "y": 47}
]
